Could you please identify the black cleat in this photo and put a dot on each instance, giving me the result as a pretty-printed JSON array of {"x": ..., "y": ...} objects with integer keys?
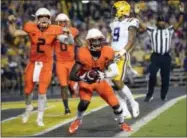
[
  {"x": 148, "y": 99},
  {"x": 164, "y": 99},
  {"x": 67, "y": 112}
]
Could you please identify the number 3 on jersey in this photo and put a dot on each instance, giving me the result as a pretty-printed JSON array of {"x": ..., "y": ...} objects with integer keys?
[{"x": 116, "y": 34}]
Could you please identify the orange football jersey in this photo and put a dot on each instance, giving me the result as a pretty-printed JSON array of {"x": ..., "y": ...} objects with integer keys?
[
  {"x": 41, "y": 42},
  {"x": 86, "y": 59},
  {"x": 65, "y": 52}
]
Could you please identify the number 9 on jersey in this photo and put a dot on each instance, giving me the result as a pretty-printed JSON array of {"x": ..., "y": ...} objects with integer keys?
[{"x": 116, "y": 34}]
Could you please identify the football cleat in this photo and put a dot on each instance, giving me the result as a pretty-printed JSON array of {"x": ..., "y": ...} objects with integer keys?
[
  {"x": 135, "y": 110},
  {"x": 125, "y": 127},
  {"x": 27, "y": 114},
  {"x": 74, "y": 126},
  {"x": 67, "y": 112},
  {"x": 148, "y": 99},
  {"x": 40, "y": 123}
]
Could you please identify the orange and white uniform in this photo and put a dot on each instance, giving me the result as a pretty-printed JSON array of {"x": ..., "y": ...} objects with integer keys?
[
  {"x": 88, "y": 63},
  {"x": 65, "y": 59},
  {"x": 41, "y": 53}
]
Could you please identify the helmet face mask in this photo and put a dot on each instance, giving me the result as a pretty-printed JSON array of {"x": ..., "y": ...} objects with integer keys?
[
  {"x": 95, "y": 44},
  {"x": 43, "y": 18},
  {"x": 63, "y": 23},
  {"x": 43, "y": 21}
]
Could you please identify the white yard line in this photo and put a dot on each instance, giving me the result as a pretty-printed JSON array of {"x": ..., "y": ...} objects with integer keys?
[
  {"x": 71, "y": 119},
  {"x": 143, "y": 121},
  {"x": 14, "y": 117},
  {"x": 68, "y": 121}
]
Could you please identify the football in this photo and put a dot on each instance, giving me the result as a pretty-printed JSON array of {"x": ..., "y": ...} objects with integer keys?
[{"x": 92, "y": 76}]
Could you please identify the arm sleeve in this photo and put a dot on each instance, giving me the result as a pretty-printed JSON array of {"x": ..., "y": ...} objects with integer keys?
[
  {"x": 150, "y": 30},
  {"x": 134, "y": 23},
  {"x": 171, "y": 29}
]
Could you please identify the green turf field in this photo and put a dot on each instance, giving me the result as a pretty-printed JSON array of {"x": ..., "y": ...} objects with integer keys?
[
  {"x": 171, "y": 123},
  {"x": 53, "y": 116}
]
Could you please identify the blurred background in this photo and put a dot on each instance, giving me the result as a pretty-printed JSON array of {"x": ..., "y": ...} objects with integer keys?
[{"x": 85, "y": 14}]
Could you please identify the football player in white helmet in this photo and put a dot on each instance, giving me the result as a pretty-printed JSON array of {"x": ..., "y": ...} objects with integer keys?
[
  {"x": 65, "y": 58},
  {"x": 39, "y": 68},
  {"x": 123, "y": 36}
]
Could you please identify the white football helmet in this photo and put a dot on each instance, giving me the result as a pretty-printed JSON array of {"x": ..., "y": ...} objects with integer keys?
[
  {"x": 62, "y": 17},
  {"x": 95, "y": 39},
  {"x": 62, "y": 20},
  {"x": 43, "y": 22}
]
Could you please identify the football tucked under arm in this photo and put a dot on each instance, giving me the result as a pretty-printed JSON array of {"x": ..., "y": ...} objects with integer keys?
[{"x": 90, "y": 76}]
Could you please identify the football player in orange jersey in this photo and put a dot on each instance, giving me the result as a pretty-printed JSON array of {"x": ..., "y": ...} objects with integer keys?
[
  {"x": 65, "y": 57},
  {"x": 39, "y": 69},
  {"x": 96, "y": 57}
]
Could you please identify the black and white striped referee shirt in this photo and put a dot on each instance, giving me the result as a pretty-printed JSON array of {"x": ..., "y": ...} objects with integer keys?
[{"x": 161, "y": 39}]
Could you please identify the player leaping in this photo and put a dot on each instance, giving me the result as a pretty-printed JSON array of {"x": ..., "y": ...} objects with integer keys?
[
  {"x": 39, "y": 68},
  {"x": 123, "y": 36}
]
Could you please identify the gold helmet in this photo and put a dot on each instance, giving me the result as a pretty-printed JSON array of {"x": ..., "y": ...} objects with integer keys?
[{"x": 121, "y": 8}]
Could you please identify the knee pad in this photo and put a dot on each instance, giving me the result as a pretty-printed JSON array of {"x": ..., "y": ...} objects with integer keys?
[
  {"x": 117, "y": 109},
  {"x": 83, "y": 105}
]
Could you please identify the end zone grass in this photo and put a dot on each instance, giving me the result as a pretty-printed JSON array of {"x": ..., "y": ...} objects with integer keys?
[
  {"x": 171, "y": 123},
  {"x": 52, "y": 116}
]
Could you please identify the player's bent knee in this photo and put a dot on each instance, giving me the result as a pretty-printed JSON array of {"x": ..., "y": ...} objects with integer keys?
[
  {"x": 83, "y": 104},
  {"x": 117, "y": 109}
]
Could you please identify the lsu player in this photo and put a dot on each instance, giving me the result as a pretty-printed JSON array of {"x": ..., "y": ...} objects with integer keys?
[
  {"x": 65, "y": 57},
  {"x": 99, "y": 57},
  {"x": 39, "y": 68},
  {"x": 123, "y": 36}
]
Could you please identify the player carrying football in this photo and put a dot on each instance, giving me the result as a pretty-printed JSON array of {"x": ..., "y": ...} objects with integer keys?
[
  {"x": 91, "y": 60},
  {"x": 65, "y": 57},
  {"x": 123, "y": 36},
  {"x": 39, "y": 69}
]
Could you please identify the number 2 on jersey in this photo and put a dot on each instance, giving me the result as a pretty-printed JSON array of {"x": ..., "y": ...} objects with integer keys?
[
  {"x": 41, "y": 41},
  {"x": 116, "y": 34}
]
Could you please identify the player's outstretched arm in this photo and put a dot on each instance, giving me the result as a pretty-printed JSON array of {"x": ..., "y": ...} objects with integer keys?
[
  {"x": 181, "y": 18},
  {"x": 137, "y": 11},
  {"x": 12, "y": 27}
]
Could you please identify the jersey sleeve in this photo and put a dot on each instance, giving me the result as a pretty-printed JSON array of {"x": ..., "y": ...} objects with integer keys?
[
  {"x": 28, "y": 27},
  {"x": 150, "y": 30},
  {"x": 171, "y": 29},
  {"x": 134, "y": 23},
  {"x": 75, "y": 32},
  {"x": 58, "y": 30},
  {"x": 80, "y": 58}
]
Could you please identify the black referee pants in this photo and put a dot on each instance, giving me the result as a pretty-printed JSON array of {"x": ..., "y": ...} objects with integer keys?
[{"x": 162, "y": 62}]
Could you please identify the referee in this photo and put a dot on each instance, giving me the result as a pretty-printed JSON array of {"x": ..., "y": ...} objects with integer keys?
[{"x": 161, "y": 37}]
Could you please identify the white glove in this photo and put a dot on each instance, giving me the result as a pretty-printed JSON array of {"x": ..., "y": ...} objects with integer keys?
[
  {"x": 181, "y": 7},
  {"x": 101, "y": 75},
  {"x": 83, "y": 77},
  {"x": 119, "y": 55},
  {"x": 62, "y": 38},
  {"x": 136, "y": 9}
]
